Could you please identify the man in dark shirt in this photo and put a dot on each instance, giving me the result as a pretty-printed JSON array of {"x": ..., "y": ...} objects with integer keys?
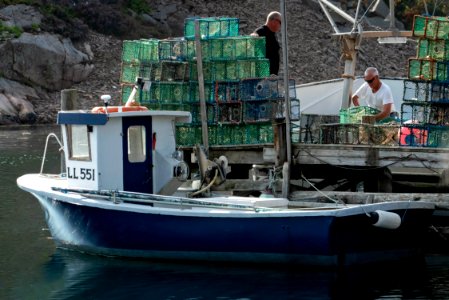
[{"x": 272, "y": 25}]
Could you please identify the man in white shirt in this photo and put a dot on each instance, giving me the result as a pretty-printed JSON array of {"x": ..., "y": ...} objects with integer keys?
[{"x": 376, "y": 94}]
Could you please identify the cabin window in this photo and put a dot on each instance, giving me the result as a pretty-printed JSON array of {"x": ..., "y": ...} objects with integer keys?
[
  {"x": 137, "y": 151},
  {"x": 79, "y": 146}
]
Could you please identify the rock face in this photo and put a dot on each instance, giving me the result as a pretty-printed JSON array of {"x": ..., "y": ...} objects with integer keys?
[
  {"x": 35, "y": 61},
  {"x": 21, "y": 15},
  {"x": 47, "y": 63},
  {"x": 58, "y": 64},
  {"x": 15, "y": 106}
]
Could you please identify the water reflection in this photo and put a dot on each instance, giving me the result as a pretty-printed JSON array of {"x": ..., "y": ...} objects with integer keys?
[{"x": 75, "y": 275}]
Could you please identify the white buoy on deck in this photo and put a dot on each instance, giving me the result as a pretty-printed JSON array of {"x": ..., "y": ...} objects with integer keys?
[{"x": 386, "y": 219}]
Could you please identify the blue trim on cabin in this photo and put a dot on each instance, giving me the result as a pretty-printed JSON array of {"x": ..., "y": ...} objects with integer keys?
[
  {"x": 82, "y": 118},
  {"x": 138, "y": 175}
]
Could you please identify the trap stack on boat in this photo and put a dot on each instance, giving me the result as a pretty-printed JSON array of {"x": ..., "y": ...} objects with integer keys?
[
  {"x": 241, "y": 99},
  {"x": 425, "y": 108}
]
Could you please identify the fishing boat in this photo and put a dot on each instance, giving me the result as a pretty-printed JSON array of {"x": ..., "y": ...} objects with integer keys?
[{"x": 119, "y": 195}]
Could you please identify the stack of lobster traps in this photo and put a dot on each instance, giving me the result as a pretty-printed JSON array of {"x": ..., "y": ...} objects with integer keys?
[
  {"x": 241, "y": 98},
  {"x": 425, "y": 108}
]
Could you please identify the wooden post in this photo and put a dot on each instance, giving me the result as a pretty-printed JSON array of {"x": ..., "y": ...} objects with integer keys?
[
  {"x": 443, "y": 182},
  {"x": 69, "y": 99},
  {"x": 378, "y": 181},
  {"x": 350, "y": 55},
  {"x": 280, "y": 145},
  {"x": 287, "y": 132},
  {"x": 199, "y": 64}
]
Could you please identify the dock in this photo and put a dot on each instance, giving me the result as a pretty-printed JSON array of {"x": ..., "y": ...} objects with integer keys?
[{"x": 339, "y": 167}]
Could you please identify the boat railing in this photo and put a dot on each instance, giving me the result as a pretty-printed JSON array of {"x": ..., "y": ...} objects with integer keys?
[{"x": 61, "y": 149}]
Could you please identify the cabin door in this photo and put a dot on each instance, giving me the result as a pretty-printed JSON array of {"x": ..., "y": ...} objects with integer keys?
[{"x": 137, "y": 154}]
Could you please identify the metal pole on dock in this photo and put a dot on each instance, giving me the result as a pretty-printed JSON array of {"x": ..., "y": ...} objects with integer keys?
[
  {"x": 199, "y": 64},
  {"x": 286, "y": 173}
]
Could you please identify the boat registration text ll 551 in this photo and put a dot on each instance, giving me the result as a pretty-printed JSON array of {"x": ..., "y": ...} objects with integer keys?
[{"x": 81, "y": 173}]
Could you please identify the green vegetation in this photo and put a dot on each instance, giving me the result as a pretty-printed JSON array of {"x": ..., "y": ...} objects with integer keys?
[
  {"x": 139, "y": 6},
  {"x": 407, "y": 9},
  {"x": 12, "y": 2},
  {"x": 13, "y": 30},
  {"x": 62, "y": 12}
]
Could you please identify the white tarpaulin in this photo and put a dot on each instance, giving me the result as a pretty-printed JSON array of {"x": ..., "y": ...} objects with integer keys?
[{"x": 325, "y": 97}]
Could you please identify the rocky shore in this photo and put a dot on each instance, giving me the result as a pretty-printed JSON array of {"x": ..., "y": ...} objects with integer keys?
[{"x": 314, "y": 53}]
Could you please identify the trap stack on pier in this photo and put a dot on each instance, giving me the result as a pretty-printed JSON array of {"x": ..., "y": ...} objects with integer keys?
[
  {"x": 241, "y": 99},
  {"x": 425, "y": 108}
]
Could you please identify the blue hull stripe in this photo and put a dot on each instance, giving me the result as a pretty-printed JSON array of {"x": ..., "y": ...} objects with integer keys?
[{"x": 327, "y": 238}]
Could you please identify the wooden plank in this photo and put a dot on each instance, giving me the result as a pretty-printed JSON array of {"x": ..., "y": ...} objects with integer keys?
[
  {"x": 440, "y": 199},
  {"x": 240, "y": 157},
  {"x": 363, "y": 155},
  {"x": 377, "y": 34}
]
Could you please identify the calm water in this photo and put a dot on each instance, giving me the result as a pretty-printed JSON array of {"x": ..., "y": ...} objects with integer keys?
[{"x": 32, "y": 268}]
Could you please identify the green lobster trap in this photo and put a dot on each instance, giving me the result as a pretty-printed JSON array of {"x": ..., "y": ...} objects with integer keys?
[
  {"x": 208, "y": 71},
  {"x": 233, "y": 48},
  {"x": 230, "y": 48},
  {"x": 158, "y": 93},
  {"x": 168, "y": 92},
  {"x": 194, "y": 92},
  {"x": 212, "y": 27},
  {"x": 129, "y": 73},
  {"x": 172, "y": 49},
  {"x": 140, "y": 51},
  {"x": 438, "y": 136},
  {"x": 259, "y": 133},
  {"x": 431, "y": 27},
  {"x": 231, "y": 134},
  {"x": 188, "y": 135},
  {"x": 355, "y": 114},
  {"x": 195, "y": 110},
  {"x": 433, "y": 49},
  {"x": 158, "y": 71},
  {"x": 428, "y": 69},
  {"x": 253, "y": 68},
  {"x": 166, "y": 71}
]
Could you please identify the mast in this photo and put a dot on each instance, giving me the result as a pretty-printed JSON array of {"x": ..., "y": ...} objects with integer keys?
[
  {"x": 351, "y": 41},
  {"x": 199, "y": 64},
  {"x": 287, "y": 164}
]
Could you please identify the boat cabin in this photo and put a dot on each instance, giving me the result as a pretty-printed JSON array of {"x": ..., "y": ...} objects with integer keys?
[{"x": 130, "y": 151}]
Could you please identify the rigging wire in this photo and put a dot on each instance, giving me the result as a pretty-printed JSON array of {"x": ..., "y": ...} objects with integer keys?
[
  {"x": 319, "y": 191},
  {"x": 356, "y": 22}
]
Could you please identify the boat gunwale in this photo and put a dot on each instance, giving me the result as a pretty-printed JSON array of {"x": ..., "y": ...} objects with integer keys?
[{"x": 198, "y": 211}]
